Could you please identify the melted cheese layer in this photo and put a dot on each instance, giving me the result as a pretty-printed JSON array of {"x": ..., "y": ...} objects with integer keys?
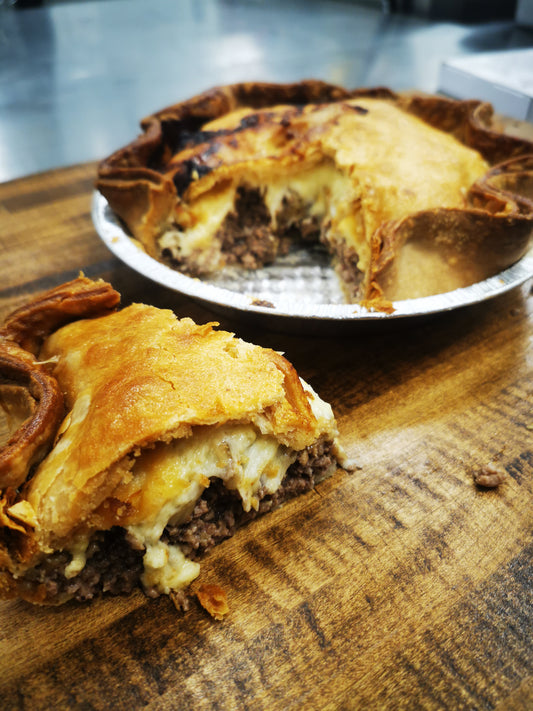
[{"x": 172, "y": 477}]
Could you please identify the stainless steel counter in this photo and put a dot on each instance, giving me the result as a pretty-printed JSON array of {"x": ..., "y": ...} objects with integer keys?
[{"x": 76, "y": 77}]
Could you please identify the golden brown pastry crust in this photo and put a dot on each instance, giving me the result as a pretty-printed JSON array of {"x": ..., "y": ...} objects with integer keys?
[
  {"x": 144, "y": 184},
  {"x": 465, "y": 245},
  {"x": 30, "y": 324}
]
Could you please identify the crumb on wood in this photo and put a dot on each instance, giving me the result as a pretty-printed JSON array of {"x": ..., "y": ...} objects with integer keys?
[
  {"x": 490, "y": 476},
  {"x": 213, "y": 599}
]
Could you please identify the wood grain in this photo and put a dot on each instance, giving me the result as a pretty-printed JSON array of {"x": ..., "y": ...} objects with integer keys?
[{"x": 399, "y": 586}]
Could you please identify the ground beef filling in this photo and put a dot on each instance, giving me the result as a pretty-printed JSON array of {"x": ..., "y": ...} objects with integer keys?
[
  {"x": 219, "y": 513},
  {"x": 347, "y": 261},
  {"x": 248, "y": 236},
  {"x": 294, "y": 219},
  {"x": 114, "y": 564},
  {"x": 113, "y": 567},
  {"x": 251, "y": 237}
]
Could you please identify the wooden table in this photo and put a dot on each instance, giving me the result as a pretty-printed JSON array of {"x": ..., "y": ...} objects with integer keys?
[{"x": 399, "y": 586}]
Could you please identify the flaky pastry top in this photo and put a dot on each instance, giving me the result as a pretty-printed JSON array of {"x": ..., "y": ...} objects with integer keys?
[{"x": 371, "y": 139}]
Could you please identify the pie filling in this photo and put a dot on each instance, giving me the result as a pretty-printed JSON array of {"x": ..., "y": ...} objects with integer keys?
[
  {"x": 160, "y": 553},
  {"x": 250, "y": 225}
]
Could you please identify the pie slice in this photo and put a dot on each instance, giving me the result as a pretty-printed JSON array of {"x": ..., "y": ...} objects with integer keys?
[
  {"x": 402, "y": 190},
  {"x": 140, "y": 441}
]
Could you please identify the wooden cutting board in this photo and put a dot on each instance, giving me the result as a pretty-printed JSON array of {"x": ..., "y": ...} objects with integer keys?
[{"x": 399, "y": 586}]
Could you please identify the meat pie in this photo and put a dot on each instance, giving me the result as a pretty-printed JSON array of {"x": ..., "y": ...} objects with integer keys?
[
  {"x": 147, "y": 440},
  {"x": 404, "y": 191}
]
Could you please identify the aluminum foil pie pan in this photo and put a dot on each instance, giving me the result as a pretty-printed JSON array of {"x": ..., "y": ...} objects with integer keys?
[{"x": 301, "y": 285}]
